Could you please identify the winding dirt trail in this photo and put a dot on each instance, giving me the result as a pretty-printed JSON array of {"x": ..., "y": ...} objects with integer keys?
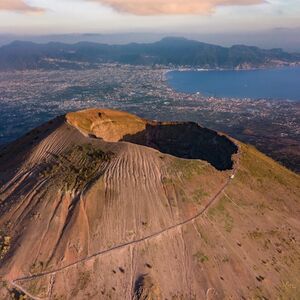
[{"x": 131, "y": 243}]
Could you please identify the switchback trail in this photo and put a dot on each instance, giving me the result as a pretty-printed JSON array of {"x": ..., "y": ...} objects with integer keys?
[{"x": 134, "y": 242}]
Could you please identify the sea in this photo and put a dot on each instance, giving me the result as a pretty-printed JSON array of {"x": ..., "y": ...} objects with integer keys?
[{"x": 275, "y": 84}]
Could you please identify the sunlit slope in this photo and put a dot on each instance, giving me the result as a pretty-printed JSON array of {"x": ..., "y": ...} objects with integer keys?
[
  {"x": 110, "y": 125},
  {"x": 83, "y": 218}
]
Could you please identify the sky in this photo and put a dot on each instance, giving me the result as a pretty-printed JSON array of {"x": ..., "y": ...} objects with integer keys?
[{"x": 111, "y": 16}]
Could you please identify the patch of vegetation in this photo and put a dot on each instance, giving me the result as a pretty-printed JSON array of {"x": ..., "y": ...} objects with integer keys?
[
  {"x": 77, "y": 166},
  {"x": 288, "y": 290},
  {"x": 262, "y": 207},
  {"x": 256, "y": 234},
  {"x": 198, "y": 195},
  {"x": 182, "y": 195},
  {"x": 228, "y": 223},
  {"x": 225, "y": 259},
  {"x": 201, "y": 257},
  {"x": 187, "y": 168},
  {"x": 59, "y": 297},
  {"x": 17, "y": 295},
  {"x": 219, "y": 208},
  {"x": 84, "y": 279},
  {"x": 183, "y": 297},
  {"x": 5, "y": 241},
  {"x": 37, "y": 267},
  {"x": 220, "y": 211},
  {"x": 264, "y": 171},
  {"x": 37, "y": 287},
  {"x": 167, "y": 180},
  {"x": 146, "y": 288},
  {"x": 3, "y": 284}
]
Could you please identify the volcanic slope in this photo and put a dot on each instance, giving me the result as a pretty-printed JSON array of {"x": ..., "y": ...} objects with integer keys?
[{"x": 101, "y": 204}]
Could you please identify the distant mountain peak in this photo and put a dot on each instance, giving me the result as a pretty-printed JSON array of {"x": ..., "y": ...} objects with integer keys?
[{"x": 174, "y": 51}]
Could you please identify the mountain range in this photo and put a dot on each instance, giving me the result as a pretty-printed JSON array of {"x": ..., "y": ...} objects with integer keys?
[
  {"x": 168, "y": 52},
  {"x": 287, "y": 38}
]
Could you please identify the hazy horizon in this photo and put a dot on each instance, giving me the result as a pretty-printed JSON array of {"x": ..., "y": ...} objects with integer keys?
[
  {"x": 285, "y": 38},
  {"x": 262, "y": 23}
]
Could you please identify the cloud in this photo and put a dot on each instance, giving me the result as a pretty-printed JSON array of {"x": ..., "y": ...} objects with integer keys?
[
  {"x": 18, "y": 6},
  {"x": 172, "y": 7}
]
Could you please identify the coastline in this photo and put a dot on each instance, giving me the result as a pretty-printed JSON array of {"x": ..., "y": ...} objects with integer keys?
[
  {"x": 248, "y": 68},
  {"x": 267, "y": 85},
  {"x": 193, "y": 69}
]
